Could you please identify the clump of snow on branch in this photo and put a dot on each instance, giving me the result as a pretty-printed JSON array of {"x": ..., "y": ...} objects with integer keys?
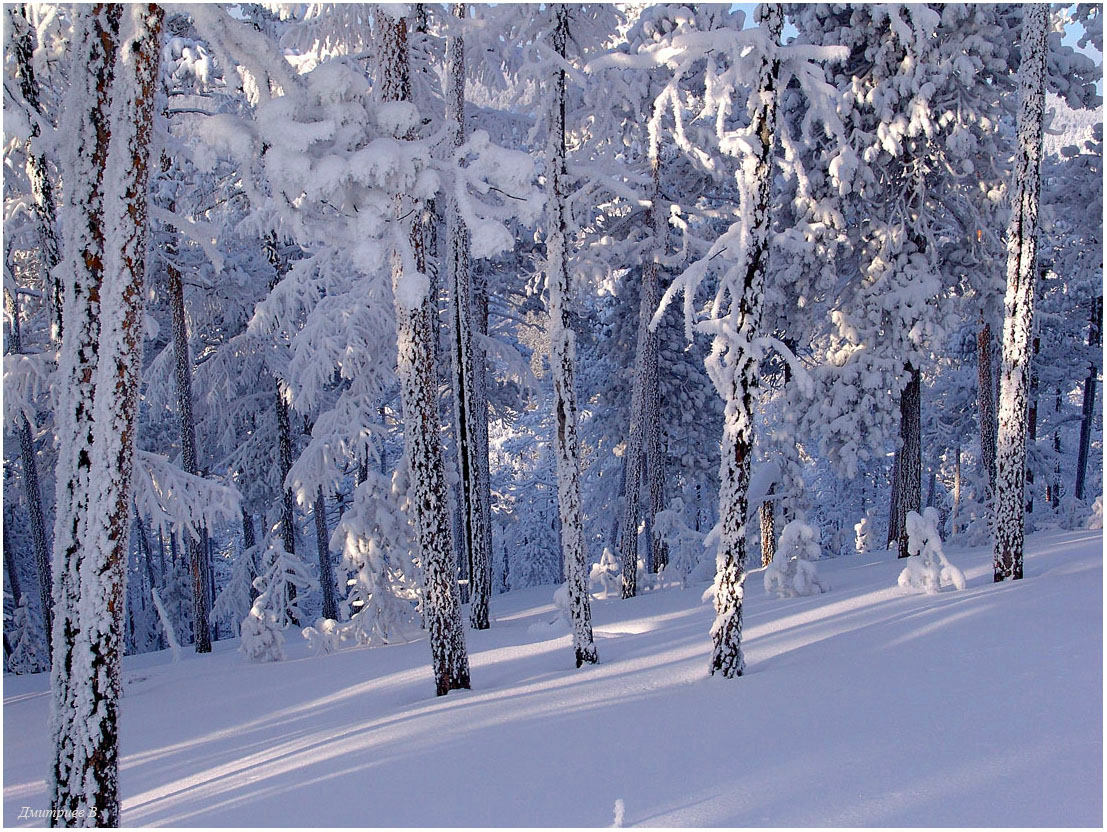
[
  {"x": 792, "y": 571},
  {"x": 177, "y": 502},
  {"x": 28, "y": 643},
  {"x": 1095, "y": 519},
  {"x": 605, "y": 577},
  {"x": 686, "y": 545},
  {"x": 273, "y": 610},
  {"x": 928, "y": 568}
]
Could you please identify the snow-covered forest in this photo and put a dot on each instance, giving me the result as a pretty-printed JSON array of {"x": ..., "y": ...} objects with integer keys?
[{"x": 361, "y": 353}]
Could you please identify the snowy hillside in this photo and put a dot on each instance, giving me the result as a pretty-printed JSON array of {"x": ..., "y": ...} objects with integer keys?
[{"x": 862, "y": 706}]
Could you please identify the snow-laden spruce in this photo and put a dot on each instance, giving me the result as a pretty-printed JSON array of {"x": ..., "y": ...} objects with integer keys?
[
  {"x": 928, "y": 568},
  {"x": 792, "y": 571}
]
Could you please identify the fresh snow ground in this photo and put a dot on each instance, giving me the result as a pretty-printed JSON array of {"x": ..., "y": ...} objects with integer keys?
[{"x": 862, "y": 706}]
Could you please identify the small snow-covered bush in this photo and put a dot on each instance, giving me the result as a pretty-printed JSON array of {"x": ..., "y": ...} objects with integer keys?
[
  {"x": 272, "y": 611},
  {"x": 324, "y": 636},
  {"x": 686, "y": 545},
  {"x": 1095, "y": 519},
  {"x": 865, "y": 535},
  {"x": 606, "y": 576},
  {"x": 792, "y": 571},
  {"x": 28, "y": 643},
  {"x": 927, "y": 568}
]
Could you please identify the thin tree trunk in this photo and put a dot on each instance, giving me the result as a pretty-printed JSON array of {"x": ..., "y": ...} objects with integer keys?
[
  {"x": 32, "y": 490},
  {"x": 1032, "y": 421},
  {"x": 642, "y": 422},
  {"x": 468, "y": 359},
  {"x": 187, "y": 424},
  {"x": 910, "y": 494},
  {"x": 418, "y": 387},
  {"x": 1018, "y": 323},
  {"x": 737, "y": 442},
  {"x": 895, "y": 518},
  {"x": 1095, "y": 333},
  {"x": 249, "y": 540},
  {"x": 326, "y": 569},
  {"x": 562, "y": 359},
  {"x": 954, "y": 525},
  {"x": 986, "y": 404},
  {"x": 288, "y": 500},
  {"x": 768, "y": 533}
]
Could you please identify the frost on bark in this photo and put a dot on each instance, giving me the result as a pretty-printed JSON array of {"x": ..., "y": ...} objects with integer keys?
[
  {"x": 644, "y": 434},
  {"x": 1018, "y": 322},
  {"x": 32, "y": 490},
  {"x": 467, "y": 362},
  {"x": 97, "y": 654},
  {"x": 768, "y": 533},
  {"x": 740, "y": 368},
  {"x": 562, "y": 357},
  {"x": 910, "y": 456},
  {"x": 415, "y": 335},
  {"x": 86, "y": 123},
  {"x": 288, "y": 500},
  {"x": 326, "y": 569},
  {"x": 986, "y": 403},
  {"x": 197, "y": 560},
  {"x": 42, "y": 188},
  {"x": 1095, "y": 334}
]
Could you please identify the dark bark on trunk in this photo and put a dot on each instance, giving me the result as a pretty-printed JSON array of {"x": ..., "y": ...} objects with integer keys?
[
  {"x": 249, "y": 540},
  {"x": 910, "y": 495},
  {"x": 1032, "y": 421},
  {"x": 1095, "y": 334},
  {"x": 562, "y": 359},
  {"x": 418, "y": 383},
  {"x": 198, "y": 567},
  {"x": 288, "y": 500},
  {"x": 1018, "y": 323},
  {"x": 326, "y": 569},
  {"x": 32, "y": 490},
  {"x": 768, "y": 533},
  {"x": 986, "y": 404}
]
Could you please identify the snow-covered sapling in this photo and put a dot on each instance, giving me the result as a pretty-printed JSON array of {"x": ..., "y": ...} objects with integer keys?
[
  {"x": 605, "y": 576},
  {"x": 792, "y": 571},
  {"x": 931, "y": 569}
]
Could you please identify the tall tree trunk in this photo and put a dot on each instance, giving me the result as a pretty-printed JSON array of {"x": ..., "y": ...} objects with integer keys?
[
  {"x": 986, "y": 404},
  {"x": 1095, "y": 333},
  {"x": 645, "y": 426},
  {"x": 954, "y": 525},
  {"x": 32, "y": 490},
  {"x": 418, "y": 387},
  {"x": 895, "y": 518},
  {"x": 86, "y": 124},
  {"x": 768, "y": 532},
  {"x": 98, "y": 684},
  {"x": 563, "y": 357},
  {"x": 737, "y": 442},
  {"x": 198, "y": 567},
  {"x": 1018, "y": 323},
  {"x": 1032, "y": 421},
  {"x": 42, "y": 189},
  {"x": 910, "y": 470},
  {"x": 249, "y": 540},
  {"x": 468, "y": 360},
  {"x": 326, "y": 569}
]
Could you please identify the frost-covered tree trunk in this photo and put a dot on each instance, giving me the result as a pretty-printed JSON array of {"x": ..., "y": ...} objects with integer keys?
[
  {"x": 288, "y": 500},
  {"x": 467, "y": 361},
  {"x": 249, "y": 540},
  {"x": 1018, "y": 322},
  {"x": 644, "y": 434},
  {"x": 98, "y": 651},
  {"x": 986, "y": 403},
  {"x": 768, "y": 532},
  {"x": 910, "y": 455},
  {"x": 415, "y": 333},
  {"x": 895, "y": 516},
  {"x": 86, "y": 125},
  {"x": 741, "y": 366},
  {"x": 42, "y": 188},
  {"x": 32, "y": 491},
  {"x": 197, "y": 562},
  {"x": 326, "y": 568},
  {"x": 1095, "y": 333},
  {"x": 563, "y": 356},
  {"x": 1032, "y": 419}
]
